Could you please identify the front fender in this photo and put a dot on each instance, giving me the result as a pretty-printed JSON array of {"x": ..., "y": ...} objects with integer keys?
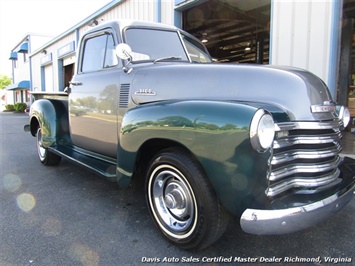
[
  {"x": 216, "y": 133},
  {"x": 52, "y": 116}
]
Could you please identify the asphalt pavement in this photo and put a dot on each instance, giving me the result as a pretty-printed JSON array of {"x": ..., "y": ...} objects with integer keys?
[{"x": 66, "y": 215}]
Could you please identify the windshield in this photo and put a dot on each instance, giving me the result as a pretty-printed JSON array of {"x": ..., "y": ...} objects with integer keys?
[
  {"x": 163, "y": 45},
  {"x": 147, "y": 44}
]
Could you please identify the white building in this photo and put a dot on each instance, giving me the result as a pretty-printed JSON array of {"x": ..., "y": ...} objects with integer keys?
[
  {"x": 21, "y": 67},
  {"x": 314, "y": 35}
]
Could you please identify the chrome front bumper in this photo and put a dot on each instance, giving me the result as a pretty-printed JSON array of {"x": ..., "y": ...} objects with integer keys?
[{"x": 277, "y": 222}]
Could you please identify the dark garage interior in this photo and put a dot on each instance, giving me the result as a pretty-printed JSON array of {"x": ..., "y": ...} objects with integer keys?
[{"x": 232, "y": 30}]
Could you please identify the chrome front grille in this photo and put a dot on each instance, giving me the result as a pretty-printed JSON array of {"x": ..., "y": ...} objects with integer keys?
[{"x": 305, "y": 157}]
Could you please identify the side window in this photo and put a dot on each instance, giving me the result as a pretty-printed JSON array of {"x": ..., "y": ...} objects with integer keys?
[
  {"x": 98, "y": 53},
  {"x": 196, "y": 51}
]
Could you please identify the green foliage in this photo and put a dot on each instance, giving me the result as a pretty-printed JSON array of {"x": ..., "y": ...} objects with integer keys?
[
  {"x": 4, "y": 81},
  {"x": 10, "y": 107},
  {"x": 20, "y": 107}
]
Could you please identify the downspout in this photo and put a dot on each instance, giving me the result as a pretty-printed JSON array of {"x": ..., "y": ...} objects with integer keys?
[
  {"x": 158, "y": 11},
  {"x": 336, "y": 18},
  {"x": 271, "y": 31},
  {"x": 30, "y": 62},
  {"x": 77, "y": 38},
  {"x": 13, "y": 81}
]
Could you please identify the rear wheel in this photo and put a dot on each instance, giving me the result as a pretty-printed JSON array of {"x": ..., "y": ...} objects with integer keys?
[
  {"x": 182, "y": 203},
  {"x": 46, "y": 157}
]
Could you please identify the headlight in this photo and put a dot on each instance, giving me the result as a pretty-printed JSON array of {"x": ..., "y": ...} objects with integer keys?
[
  {"x": 344, "y": 115},
  {"x": 262, "y": 131}
]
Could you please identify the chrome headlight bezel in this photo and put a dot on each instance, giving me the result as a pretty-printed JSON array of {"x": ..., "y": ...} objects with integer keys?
[{"x": 262, "y": 131}]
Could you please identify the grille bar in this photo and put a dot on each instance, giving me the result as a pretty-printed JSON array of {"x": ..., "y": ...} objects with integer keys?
[
  {"x": 304, "y": 168},
  {"x": 325, "y": 180},
  {"x": 305, "y": 157},
  {"x": 333, "y": 124},
  {"x": 293, "y": 140},
  {"x": 291, "y": 155}
]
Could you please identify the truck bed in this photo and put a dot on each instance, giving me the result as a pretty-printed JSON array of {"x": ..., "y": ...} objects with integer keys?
[{"x": 60, "y": 95}]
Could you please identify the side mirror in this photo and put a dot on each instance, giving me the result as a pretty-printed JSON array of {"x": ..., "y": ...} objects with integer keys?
[{"x": 124, "y": 51}]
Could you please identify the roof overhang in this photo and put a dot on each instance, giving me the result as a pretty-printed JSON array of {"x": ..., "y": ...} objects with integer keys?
[
  {"x": 24, "y": 84},
  {"x": 84, "y": 22}
]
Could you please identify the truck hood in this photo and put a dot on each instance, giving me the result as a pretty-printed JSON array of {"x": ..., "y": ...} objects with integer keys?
[{"x": 293, "y": 90}]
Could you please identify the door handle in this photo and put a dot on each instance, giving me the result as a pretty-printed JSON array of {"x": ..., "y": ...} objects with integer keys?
[{"x": 75, "y": 83}]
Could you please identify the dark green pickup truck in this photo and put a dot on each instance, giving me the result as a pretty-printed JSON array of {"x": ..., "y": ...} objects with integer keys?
[{"x": 210, "y": 140}]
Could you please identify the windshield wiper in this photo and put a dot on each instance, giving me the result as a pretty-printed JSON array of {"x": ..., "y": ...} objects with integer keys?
[{"x": 167, "y": 59}]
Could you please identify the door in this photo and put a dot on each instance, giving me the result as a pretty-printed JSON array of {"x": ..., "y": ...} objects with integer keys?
[{"x": 93, "y": 100}]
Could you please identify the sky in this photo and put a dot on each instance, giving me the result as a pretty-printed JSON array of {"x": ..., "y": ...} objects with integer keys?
[{"x": 50, "y": 17}]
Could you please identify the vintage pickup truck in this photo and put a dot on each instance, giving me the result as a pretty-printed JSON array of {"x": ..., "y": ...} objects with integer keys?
[{"x": 210, "y": 140}]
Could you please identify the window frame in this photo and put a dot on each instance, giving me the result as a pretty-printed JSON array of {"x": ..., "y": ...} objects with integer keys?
[{"x": 108, "y": 32}]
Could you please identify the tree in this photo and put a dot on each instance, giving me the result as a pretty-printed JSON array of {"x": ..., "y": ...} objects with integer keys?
[{"x": 4, "y": 81}]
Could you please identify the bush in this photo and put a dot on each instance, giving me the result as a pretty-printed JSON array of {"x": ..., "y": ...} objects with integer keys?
[
  {"x": 10, "y": 107},
  {"x": 20, "y": 107}
]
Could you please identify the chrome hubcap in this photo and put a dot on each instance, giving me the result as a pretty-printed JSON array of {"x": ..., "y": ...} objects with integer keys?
[
  {"x": 176, "y": 198},
  {"x": 172, "y": 201}
]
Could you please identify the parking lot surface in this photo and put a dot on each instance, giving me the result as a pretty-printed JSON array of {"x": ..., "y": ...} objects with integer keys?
[{"x": 65, "y": 215}]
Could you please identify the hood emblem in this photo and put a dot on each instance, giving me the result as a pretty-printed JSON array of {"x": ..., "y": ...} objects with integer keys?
[
  {"x": 145, "y": 92},
  {"x": 327, "y": 106}
]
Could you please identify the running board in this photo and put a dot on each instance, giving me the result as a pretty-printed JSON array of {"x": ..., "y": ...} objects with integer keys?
[{"x": 104, "y": 166}]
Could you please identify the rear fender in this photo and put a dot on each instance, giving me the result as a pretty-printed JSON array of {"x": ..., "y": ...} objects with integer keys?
[{"x": 52, "y": 116}]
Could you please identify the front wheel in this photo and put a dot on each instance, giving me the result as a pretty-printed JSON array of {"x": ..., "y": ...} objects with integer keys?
[
  {"x": 182, "y": 203},
  {"x": 46, "y": 157}
]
